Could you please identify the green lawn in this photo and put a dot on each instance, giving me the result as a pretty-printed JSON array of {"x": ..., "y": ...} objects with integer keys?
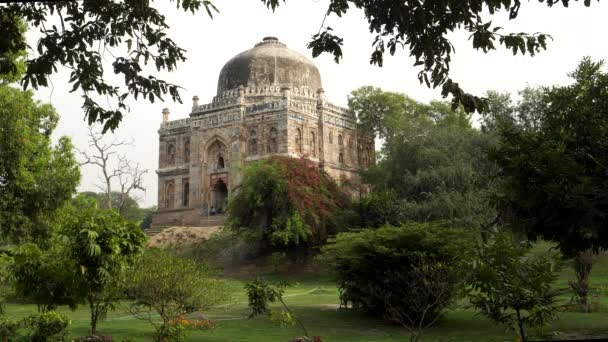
[{"x": 315, "y": 302}]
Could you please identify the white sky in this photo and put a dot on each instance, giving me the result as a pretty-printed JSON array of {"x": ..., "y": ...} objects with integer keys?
[{"x": 578, "y": 31}]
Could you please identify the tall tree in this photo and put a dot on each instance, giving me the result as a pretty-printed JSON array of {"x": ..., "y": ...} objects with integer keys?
[
  {"x": 116, "y": 170},
  {"x": 36, "y": 178},
  {"x": 78, "y": 34},
  {"x": 432, "y": 159},
  {"x": 554, "y": 179}
]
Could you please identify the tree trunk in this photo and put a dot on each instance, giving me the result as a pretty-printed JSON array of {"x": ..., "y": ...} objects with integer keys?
[
  {"x": 522, "y": 333},
  {"x": 583, "y": 263},
  {"x": 93, "y": 317}
]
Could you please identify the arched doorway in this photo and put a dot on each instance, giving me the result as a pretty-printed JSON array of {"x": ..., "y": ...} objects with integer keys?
[{"x": 220, "y": 195}]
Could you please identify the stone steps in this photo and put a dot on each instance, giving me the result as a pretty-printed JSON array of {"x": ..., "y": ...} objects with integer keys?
[{"x": 211, "y": 221}]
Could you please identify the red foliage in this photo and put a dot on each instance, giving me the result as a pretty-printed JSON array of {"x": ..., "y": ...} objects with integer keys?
[{"x": 311, "y": 191}]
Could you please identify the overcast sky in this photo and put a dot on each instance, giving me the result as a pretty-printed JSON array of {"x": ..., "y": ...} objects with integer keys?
[{"x": 577, "y": 31}]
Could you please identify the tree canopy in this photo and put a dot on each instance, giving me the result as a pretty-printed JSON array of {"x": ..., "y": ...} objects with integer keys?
[
  {"x": 432, "y": 160},
  {"x": 36, "y": 178},
  {"x": 554, "y": 180},
  {"x": 78, "y": 34}
]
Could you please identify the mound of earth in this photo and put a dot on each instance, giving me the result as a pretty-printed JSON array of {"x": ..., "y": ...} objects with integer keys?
[{"x": 176, "y": 236}]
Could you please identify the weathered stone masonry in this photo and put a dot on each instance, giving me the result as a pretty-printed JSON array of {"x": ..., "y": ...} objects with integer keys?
[{"x": 270, "y": 101}]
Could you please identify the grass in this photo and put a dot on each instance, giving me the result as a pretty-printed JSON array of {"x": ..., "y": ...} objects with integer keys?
[{"x": 315, "y": 302}]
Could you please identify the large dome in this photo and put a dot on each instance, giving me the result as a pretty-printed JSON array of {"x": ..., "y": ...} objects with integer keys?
[{"x": 269, "y": 63}]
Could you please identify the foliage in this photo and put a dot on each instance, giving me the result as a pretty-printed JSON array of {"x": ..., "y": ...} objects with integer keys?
[
  {"x": 430, "y": 283},
  {"x": 513, "y": 287},
  {"x": 526, "y": 114},
  {"x": 285, "y": 202},
  {"x": 171, "y": 287},
  {"x": 48, "y": 326},
  {"x": 260, "y": 294},
  {"x": 375, "y": 268},
  {"x": 432, "y": 165},
  {"x": 12, "y": 58},
  {"x": 376, "y": 209},
  {"x": 9, "y": 327},
  {"x": 103, "y": 245},
  {"x": 46, "y": 278},
  {"x": 553, "y": 181},
  {"x": 130, "y": 209},
  {"x": 36, "y": 178},
  {"x": 78, "y": 35},
  {"x": 423, "y": 28}
]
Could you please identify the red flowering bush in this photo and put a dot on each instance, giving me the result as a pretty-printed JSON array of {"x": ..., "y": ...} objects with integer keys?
[{"x": 286, "y": 202}]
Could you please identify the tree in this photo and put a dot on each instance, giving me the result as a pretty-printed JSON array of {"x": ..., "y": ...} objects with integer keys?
[
  {"x": 130, "y": 208},
  {"x": 79, "y": 34},
  {"x": 423, "y": 27},
  {"x": 432, "y": 160},
  {"x": 513, "y": 287},
  {"x": 553, "y": 179},
  {"x": 103, "y": 245},
  {"x": 171, "y": 287},
  {"x": 285, "y": 202},
  {"x": 45, "y": 278},
  {"x": 114, "y": 168},
  {"x": 135, "y": 31},
  {"x": 36, "y": 178}
]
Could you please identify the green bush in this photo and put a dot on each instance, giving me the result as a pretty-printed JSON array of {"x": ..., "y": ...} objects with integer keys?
[
  {"x": 8, "y": 327},
  {"x": 379, "y": 271},
  {"x": 48, "y": 326},
  {"x": 513, "y": 287}
]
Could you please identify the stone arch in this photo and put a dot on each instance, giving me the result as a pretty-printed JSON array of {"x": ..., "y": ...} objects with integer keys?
[
  {"x": 331, "y": 137},
  {"x": 217, "y": 152},
  {"x": 273, "y": 140},
  {"x": 187, "y": 150},
  {"x": 220, "y": 195},
  {"x": 169, "y": 194},
  {"x": 298, "y": 140},
  {"x": 252, "y": 144},
  {"x": 340, "y": 140},
  {"x": 171, "y": 154},
  {"x": 186, "y": 194}
]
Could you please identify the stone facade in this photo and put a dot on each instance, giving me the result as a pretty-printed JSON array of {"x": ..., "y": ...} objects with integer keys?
[{"x": 269, "y": 102}]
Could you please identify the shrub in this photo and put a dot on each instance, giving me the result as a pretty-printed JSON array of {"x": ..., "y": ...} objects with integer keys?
[
  {"x": 377, "y": 270},
  {"x": 285, "y": 202},
  {"x": 513, "y": 287},
  {"x": 48, "y": 326},
  {"x": 171, "y": 287},
  {"x": 8, "y": 328}
]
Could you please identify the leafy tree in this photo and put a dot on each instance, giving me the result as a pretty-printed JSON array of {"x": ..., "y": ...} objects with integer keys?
[
  {"x": 36, "y": 178},
  {"x": 12, "y": 58},
  {"x": 285, "y": 202},
  {"x": 526, "y": 114},
  {"x": 513, "y": 287},
  {"x": 378, "y": 270},
  {"x": 553, "y": 179},
  {"x": 171, "y": 287},
  {"x": 423, "y": 28},
  {"x": 103, "y": 245},
  {"x": 136, "y": 32},
  {"x": 77, "y": 34},
  {"x": 432, "y": 161},
  {"x": 45, "y": 278}
]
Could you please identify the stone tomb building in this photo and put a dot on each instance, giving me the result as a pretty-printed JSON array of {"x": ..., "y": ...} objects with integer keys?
[{"x": 269, "y": 101}]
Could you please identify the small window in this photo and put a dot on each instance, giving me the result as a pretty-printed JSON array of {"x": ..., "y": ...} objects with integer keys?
[
  {"x": 341, "y": 158},
  {"x": 340, "y": 140},
  {"x": 313, "y": 144},
  {"x": 331, "y": 137},
  {"x": 220, "y": 162}
]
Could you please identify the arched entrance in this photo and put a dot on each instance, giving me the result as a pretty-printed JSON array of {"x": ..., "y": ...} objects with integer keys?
[{"x": 220, "y": 195}]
